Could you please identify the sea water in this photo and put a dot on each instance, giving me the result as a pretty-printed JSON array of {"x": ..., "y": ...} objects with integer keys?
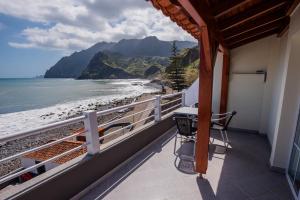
[{"x": 30, "y": 103}]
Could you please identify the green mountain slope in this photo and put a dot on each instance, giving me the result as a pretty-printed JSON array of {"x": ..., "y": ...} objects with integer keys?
[
  {"x": 189, "y": 60},
  {"x": 113, "y": 65},
  {"x": 139, "y": 50}
]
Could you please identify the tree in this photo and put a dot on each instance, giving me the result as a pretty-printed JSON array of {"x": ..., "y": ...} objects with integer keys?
[{"x": 175, "y": 71}]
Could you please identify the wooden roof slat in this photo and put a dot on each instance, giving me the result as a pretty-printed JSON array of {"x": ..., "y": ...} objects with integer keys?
[
  {"x": 225, "y": 7},
  {"x": 257, "y": 29},
  {"x": 252, "y": 38},
  {"x": 252, "y": 33},
  {"x": 284, "y": 27},
  {"x": 251, "y": 14},
  {"x": 254, "y": 23},
  {"x": 230, "y": 22},
  {"x": 292, "y": 6},
  {"x": 202, "y": 7}
]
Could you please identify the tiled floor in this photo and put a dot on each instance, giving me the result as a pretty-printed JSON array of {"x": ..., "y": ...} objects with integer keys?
[{"x": 240, "y": 173}]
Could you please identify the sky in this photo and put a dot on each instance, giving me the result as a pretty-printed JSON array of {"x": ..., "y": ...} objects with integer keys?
[{"x": 35, "y": 34}]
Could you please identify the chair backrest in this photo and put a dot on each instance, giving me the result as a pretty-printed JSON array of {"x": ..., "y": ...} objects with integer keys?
[
  {"x": 223, "y": 119},
  {"x": 229, "y": 118},
  {"x": 184, "y": 126}
]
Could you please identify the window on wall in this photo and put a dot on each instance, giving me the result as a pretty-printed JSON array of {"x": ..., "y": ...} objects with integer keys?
[{"x": 294, "y": 165}]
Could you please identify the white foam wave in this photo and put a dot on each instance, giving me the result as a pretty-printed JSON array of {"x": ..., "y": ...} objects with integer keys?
[{"x": 20, "y": 121}]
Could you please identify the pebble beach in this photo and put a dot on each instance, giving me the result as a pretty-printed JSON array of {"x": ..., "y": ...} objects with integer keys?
[{"x": 20, "y": 145}]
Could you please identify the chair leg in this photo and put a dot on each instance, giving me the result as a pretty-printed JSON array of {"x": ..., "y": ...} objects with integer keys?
[
  {"x": 175, "y": 144},
  {"x": 227, "y": 140},
  {"x": 222, "y": 134},
  {"x": 194, "y": 152}
]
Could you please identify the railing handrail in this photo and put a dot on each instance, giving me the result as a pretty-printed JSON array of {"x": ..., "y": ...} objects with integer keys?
[
  {"x": 22, "y": 134},
  {"x": 41, "y": 147},
  {"x": 170, "y": 95},
  {"x": 2, "y": 180},
  {"x": 40, "y": 129},
  {"x": 119, "y": 119},
  {"x": 89, "y": 119},
  {"x": 111, "y": 110}
]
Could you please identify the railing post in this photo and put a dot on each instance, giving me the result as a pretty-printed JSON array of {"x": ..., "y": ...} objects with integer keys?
[
  {"x": 92, "y": 135},
  {"x": 157, "y": 109},
  {"x": 183, "y": 98}
]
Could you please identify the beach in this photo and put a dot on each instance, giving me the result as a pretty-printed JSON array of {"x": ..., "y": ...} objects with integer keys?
[
  {"x": 20, "y": 145},
  {"x": 24, "y": 120}
]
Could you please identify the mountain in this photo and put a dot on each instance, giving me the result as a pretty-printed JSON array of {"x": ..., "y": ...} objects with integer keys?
[
  {"x": 98, "y": 69},
  {"x": 149, "y": 46},
  {"x": 136, "y": 49},
  {"x": 111, "y": 65},
  {"x": 105, "y": 65},
  {"x": 72, "y": 66}
]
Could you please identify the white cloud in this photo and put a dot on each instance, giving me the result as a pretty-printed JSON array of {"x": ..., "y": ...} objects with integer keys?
[{"x": 74, "y": 24}]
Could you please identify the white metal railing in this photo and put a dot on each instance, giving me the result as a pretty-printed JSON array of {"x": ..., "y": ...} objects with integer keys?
[
  {"x": 36, "y": 131},
  {"x": 91, "y": 128},
  {"x": 12, "y": 176}
]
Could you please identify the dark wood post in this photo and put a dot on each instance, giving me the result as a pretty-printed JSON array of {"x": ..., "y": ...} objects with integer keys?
[{"x": 205, "y": 102}]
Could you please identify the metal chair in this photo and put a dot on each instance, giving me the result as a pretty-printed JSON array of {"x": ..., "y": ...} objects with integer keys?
[
  {"x": 220, "y": 122},
  {"x": 185, "y": 131}
]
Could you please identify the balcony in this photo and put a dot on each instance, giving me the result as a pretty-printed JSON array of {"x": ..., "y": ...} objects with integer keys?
[
  {"x": 241, "y": 172},
  {"x": 141, "y": 164}
]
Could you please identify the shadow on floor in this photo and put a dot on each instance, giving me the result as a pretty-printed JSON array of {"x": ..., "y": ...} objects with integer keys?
[
  {"x": 240, "y": 173},
  {"x": 118, "y": 176}
]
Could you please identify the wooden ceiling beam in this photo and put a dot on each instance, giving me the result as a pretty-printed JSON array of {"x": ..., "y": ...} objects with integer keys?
[
  {"x": 224, "y": 6},
  {"x": 252, "y": 13},
  {"x": 200, "y": 12},
  {"x": 284, "y": 27},
  {"x": 292, "y": 6},
  {"x": 252, "y": 38},
  {"x": 251, "y": 34},
  {"x": 270, "y": 18},
  {"x": 258, "y": 29}
]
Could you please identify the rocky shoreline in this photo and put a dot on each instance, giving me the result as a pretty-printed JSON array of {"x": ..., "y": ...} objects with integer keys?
[{"x": 20, "y": 145}]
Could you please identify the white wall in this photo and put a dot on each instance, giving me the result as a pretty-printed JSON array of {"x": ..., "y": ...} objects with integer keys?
[
  {"x": 276, "y": 90},
  {"x": 246, "y": 92},
  {"x": 281, "y": 98},
  {"x": 289, "y": 109},
  {"x": 191, "y": 94},
  {"x": 27, "y": 162},
  {"x": 258, "y": 55},
  {"x": 51, "y": 165},
  {"x": 217, "y": 83},
  {"x": 289, "y": 98}
]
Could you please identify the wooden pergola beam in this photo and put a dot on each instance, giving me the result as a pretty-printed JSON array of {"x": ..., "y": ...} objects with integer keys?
[
  {"x": 201, "y": 14},
  {"x": 252, "y": 24},
  {"x": 292, "y": 6},
  {"x": 253, "y": 33},
  {"x": 204, "y": 102},
  {"x": 252, "y": 38},
  {"x": 251, "y": 14},
  {"x": 284, "y": 27},
  {"x": 209, "y": 34},
  {"x": 225, "y": 7}
]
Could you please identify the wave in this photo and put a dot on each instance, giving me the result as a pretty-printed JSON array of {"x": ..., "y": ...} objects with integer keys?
[{"x": 11, "y": 123}]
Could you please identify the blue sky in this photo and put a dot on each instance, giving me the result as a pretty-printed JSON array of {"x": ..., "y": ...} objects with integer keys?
[
  {"x": 35, "y": 34},
  {"x": 22, "y": 62}
]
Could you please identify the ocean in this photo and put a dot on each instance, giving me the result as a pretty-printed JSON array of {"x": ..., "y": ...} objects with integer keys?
[{"x": 34, "y": 102}]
